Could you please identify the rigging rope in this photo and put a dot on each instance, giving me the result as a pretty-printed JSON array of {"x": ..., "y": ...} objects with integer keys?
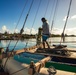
[
  {"x": 51, "y": 12},
  {"x": 23, "y": 68},
  {"x": 20, "y": 15},
  {"x": 18, "y": 71},
  {"x": 21, "y": 31},
  {"x": 34, "y": 20},
  {"x": 47, "y": 7},
  {"x": 35, "y": 16},
  {"x": 66, "y": 21},
  {"x": 53, "y": 18},
  {"x": 44, "y": 16},
  {"x": 7, "y": 49},
  {"x": 54, "y": 15}
]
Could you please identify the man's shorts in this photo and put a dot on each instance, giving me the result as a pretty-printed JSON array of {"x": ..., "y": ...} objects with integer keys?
[{"x": 45, "y": 37}]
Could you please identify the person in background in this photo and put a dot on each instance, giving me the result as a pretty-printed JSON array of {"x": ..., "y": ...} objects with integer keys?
[{"x": 45, "y": 32}]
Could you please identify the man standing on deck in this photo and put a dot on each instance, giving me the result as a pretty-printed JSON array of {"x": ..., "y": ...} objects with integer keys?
[{"x": 45, "y": 32}]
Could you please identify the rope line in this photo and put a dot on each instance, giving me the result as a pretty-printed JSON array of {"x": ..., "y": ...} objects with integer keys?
[
  {"x": 10, "y": 54},
  {"x": 7, "y": 49},
  {"x": 34, "y": 20},
  {"x": 20, "y": 15},
  {"x": 35, "y": 16},
  {"x": 51, "y": 12},
  {"x": 20, "y": 33},
  {"x": 17, "y": 71},
  {"x": 47, "y": 7},
  {"x": 54, "y": 15},
  {"x": 53, "y": 18},
  {"x": 66, "y": 20},
  {"x": 67, "y": 16}
]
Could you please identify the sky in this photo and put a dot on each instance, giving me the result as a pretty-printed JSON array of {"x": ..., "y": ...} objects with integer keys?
[{"x": 10, "y": 12}]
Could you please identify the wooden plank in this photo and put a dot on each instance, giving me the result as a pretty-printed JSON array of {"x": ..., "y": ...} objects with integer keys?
[
  {"x": 42, "y": 63},
  {"x": 45, "y": 54},
  {"x": 63, "y": 49}
]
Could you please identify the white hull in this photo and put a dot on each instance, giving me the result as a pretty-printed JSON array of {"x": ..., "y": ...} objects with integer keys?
[{"x": 13, "y": 66}]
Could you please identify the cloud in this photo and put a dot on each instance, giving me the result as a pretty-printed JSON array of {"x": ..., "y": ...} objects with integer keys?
[
  {"x": 16, "y": 31},
  {"x": 65, "y": 18},
  {"x": 4, "y": 28},
  {"x": 71, "y": 31},
  {"x": 68, "y": 31},
  {"x": 56, "y": 31},
  {"x": 33, "y": 31},
  {"x": 26, "y": 30},
  {"x": 70, "y": 17},
  {"x": 73, "y": 17},
  {"x": 30, "y": 31}
]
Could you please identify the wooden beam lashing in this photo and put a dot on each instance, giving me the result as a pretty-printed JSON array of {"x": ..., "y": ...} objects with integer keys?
[{"x": 42, "y": 63}]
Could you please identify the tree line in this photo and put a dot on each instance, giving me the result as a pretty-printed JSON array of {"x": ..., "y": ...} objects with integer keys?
[{"x": 11, "y": 36}]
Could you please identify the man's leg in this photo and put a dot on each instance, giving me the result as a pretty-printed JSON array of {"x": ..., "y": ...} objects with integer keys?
[
  {"x": 43, "y": 44},
  {"x": 47, "y": 44}
]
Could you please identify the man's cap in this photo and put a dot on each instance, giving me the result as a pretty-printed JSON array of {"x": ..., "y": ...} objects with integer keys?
[{"x": 43, "y": 19}]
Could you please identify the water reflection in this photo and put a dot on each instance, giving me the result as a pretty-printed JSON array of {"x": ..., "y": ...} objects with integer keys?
[
  {"x": 21, "y": 44},
  {"x": 69, "y": 41}
]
